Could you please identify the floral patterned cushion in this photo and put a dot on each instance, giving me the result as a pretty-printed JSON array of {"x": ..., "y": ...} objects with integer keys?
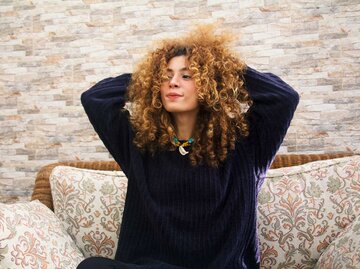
[
  {"x": 302, "y": 209},
  {"x": 31, "y": 236},
  {"x": 90, "y": 203},
  {"x": 344, "y": 251}
]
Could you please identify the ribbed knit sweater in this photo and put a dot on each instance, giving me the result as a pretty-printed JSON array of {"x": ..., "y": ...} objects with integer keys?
[{"x": 181, "y": 216}]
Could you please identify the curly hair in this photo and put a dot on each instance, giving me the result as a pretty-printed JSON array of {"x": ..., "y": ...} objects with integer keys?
[{"x": 223, "y": 99}]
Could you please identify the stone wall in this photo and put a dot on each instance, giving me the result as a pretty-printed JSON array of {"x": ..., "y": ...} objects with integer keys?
[{"x": 53, "y": 50}]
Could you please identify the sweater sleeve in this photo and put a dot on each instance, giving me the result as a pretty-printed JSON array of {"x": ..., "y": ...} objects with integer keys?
[
  {"x": 274, "y": 104},
  {"x": 102, "y": 104}
]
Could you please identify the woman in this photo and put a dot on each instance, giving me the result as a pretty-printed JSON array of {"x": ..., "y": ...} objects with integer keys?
[{"x": 204, "y": 128}]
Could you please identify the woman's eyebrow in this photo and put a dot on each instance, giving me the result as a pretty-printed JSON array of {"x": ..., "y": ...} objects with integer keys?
[{"x": 182, "y": 69}]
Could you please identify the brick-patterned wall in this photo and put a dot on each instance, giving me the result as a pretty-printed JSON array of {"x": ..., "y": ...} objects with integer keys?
[{"x": 51, "y": 51}]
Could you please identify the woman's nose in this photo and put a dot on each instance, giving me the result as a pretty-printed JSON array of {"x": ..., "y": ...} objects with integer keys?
[{"x": 174, "y": 82}]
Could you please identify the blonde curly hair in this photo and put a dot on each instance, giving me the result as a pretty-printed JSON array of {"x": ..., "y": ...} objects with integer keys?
[{"x": 223, "y": 99}]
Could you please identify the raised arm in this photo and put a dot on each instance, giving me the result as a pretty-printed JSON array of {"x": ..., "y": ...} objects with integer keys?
[
  {"x": 274, "y": 104},
  {"x": 103, "y": 103}
]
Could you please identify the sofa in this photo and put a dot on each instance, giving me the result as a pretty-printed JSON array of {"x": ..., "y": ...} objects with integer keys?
[{"x": 308, "y": 214}]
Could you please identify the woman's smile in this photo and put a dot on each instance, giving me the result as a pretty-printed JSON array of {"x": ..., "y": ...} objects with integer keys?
[{"x": 173, "y": 96}]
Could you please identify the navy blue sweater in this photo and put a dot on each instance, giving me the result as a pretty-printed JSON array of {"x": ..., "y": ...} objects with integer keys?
[{"x": 180, "y": 216}]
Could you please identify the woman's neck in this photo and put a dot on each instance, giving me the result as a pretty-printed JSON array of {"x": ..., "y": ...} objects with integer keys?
[{"x": 184, "y": 124}]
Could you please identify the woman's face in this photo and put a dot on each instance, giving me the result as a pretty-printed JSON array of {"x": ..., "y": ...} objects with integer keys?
[{"x": 178, "y": 92}]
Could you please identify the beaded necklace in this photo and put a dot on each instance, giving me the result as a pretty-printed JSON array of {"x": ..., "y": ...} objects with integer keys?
[{"x": 181, "y": 146}]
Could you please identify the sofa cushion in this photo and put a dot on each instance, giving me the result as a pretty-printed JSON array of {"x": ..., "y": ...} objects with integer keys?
[
  {"x": 31, "y": 236},
  {"x": 302, "y": 209},
  {"x": 344, "y": 251},
  {"x": 90, "y": 203}
]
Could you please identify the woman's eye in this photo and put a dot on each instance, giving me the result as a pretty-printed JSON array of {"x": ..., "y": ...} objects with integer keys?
[{"x": 186, "y": 77}]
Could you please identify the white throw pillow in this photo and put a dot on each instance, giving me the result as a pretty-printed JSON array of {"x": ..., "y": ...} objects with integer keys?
[
  {"x": 31, "y": 236},
  {"x": 90, "y": 203}
]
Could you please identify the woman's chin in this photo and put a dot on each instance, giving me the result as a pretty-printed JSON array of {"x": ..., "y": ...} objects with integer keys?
[{"x": 174, "y": 109}]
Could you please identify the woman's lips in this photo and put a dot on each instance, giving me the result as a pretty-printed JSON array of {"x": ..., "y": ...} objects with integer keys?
[{"x": 173, "y": 96}]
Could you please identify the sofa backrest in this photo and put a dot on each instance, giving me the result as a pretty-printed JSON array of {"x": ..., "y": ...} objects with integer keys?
[
  {"x": 302, "y": 209},
  {"x": 42, "y": 191}
]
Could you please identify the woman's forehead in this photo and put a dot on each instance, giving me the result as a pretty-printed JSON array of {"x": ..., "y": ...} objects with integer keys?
[{"x": 178, "y": 63}]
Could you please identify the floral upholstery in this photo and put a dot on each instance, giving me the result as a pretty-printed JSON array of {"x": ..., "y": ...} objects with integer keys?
[
  {"x": 90, "y": 203},
  {"x": 32, "y": 237},
  {"x": 302, "y": 209},
  {"x": 344, "y": 251}
]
